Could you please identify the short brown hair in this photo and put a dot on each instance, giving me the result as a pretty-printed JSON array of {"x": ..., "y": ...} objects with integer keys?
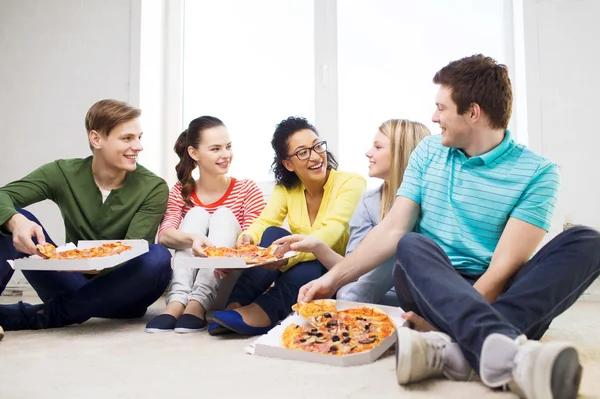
[
  {"x": 106, "y": 114},
  {"x": 479, "y": 79}
]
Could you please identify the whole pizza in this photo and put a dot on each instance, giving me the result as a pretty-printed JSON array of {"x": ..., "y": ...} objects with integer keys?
[{"x": 337, "y": 332}]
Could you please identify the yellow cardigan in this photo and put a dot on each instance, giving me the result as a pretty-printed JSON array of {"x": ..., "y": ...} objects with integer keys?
[{"x": 343, "y": 191}]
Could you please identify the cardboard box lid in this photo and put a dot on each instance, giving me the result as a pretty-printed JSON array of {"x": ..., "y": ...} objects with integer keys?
[{"x": 188, "y": 261}]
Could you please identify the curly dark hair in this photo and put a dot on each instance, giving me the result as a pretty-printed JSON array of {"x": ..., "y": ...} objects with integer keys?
[{"x": 284, "y": 130}]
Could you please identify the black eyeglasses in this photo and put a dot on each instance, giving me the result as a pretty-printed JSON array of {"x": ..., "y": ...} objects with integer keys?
[{"x": 304, "y": 153}]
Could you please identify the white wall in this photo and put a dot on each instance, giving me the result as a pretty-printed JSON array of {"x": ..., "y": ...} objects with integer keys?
[
  {"x": 56, "y": 59},
  {"x": 561, "y": 51}
]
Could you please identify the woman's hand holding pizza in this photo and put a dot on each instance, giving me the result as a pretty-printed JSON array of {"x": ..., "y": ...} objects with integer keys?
[
  {"x": 244, "y": 239},
  {"x": 198, "y": 244},
  {"x": 299, "y": 243}
]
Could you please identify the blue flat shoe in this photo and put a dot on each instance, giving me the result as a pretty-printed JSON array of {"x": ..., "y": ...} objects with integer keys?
[
  {"x": 161, "y": 323},
  {"x": 217, "y": 329},
  {"x": 188, "y": 323},
  {"x": 233, "y": 320}
]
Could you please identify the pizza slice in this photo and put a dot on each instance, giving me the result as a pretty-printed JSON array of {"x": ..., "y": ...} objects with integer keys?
[
  {"x": 48, "y": 251},
  {"x": 319, "y": 313},
  {"x": 218, "y": 252}
]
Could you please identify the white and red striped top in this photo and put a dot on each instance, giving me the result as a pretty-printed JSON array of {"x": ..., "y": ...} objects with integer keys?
[{"x": 243, "y": 198}]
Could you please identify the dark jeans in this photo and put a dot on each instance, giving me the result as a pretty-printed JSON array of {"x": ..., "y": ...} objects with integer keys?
[
  {"x": 71, "y": 298},
  {"x": 543, "y": 288},
  {"x": 278, "y": 300}
]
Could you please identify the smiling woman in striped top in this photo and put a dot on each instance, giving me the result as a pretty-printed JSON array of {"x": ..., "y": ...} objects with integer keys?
[{"x": 216, "y": 207}]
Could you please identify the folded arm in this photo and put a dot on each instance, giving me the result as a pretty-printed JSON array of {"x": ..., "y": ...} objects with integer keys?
[{"x": 518, "y": 242}]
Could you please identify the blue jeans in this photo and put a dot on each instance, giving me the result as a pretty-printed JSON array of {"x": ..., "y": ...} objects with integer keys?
[
  {"x": 547, "y": 285},
  {"x": 71, "y": 298},
  {"x": 253, "y": 285}
]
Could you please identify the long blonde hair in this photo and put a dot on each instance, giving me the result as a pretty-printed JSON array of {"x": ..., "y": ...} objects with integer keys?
[{"x": 404, "y": 136}]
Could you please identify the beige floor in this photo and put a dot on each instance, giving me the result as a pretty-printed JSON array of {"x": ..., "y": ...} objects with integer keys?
[{"x": 116, "y": 359}]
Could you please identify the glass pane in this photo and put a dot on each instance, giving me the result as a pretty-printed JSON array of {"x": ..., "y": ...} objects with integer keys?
[
  {"x": 387, "y": 61},
  {"x": 250, "y": 64}
]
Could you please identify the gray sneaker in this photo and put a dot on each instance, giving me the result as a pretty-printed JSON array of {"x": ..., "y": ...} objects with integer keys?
[
  {"x": 1, "y": 333},
  {"x": 420, "y": 356},
  {"x": 531, "y": 369}
]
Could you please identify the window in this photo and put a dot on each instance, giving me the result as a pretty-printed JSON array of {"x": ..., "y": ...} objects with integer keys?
[
  {"x": 347, "y": 66},
  {"x": 250, "y": 64},
  {"x": 386, "y": 62}
]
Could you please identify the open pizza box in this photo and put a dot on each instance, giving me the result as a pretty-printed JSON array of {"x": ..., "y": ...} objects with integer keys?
[
  {"x": 269, "y": 345},
  {"x": 186, "y": 260},
  {"x": 36, "y": 262}
]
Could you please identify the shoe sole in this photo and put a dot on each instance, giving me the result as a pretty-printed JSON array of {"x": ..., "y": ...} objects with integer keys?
[
  {"x": 226, "y": 326},
  {"x": 403, "y": 355},
  {"x": 219, "y": 331},
  {"x": 182, "y": 330},
  {"x": 157, "y": 330},
  {"x": 556, "y": 372},
  {"x": 566, "y": 372}
]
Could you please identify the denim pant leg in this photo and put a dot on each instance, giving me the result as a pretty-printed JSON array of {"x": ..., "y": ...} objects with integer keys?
[
  {"x": 253, "y": 282},
  {"x": 427, "y": 283},
  {"x": 47, "y": 284},
  {"x": 7, "y": 252},
  {"x": 551, "y": 281},
  {"x": 277, "y": 302},
  {"x": 125, "y": 292},
  {"x": 371, "y": 287}
]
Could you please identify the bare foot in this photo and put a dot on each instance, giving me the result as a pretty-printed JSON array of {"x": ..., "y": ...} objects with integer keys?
[
  {"x": 254, "y": 316},
  {"x": 419, "y": 323},
  {"x": 175, "y": 309},
  {"x": 195, "y": 308}
]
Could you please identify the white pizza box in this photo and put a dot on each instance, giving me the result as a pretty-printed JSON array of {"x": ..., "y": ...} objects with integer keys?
[
  {"x": 269, "y": 345},
  {"x": 35, "y": 262},
  {"x": 189, "y": 261}
]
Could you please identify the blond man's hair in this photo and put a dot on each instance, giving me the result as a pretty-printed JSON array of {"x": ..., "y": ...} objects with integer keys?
[{"x": 105, "y": 115}]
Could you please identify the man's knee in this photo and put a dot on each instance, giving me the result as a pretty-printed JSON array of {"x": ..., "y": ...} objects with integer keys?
[
  {"x": 157, "y": 263},
  {"x": 409, "y": 244},
  {"x": 583, "y": 233}
]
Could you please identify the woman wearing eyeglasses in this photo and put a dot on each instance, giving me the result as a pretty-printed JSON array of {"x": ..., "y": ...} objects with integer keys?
[
  {"x": 317, "y": 200},
  {"x": 388, "y": 158}
]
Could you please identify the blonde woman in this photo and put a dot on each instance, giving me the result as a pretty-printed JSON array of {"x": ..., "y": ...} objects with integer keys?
[{"x": 388, "y": 157}]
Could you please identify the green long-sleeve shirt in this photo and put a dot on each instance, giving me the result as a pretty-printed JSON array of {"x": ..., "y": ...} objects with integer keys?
[{"x": 132, "y": 211}]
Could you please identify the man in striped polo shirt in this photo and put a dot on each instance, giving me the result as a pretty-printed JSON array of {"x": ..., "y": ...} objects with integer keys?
[{"x": 470, "y": 213}]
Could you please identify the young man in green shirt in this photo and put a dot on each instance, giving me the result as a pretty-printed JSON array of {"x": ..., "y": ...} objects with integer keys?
[{"x": 106, "y": 196}]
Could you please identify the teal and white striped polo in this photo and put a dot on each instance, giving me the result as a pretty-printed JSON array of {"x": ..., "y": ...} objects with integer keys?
[{"x": 466, "y": 202}]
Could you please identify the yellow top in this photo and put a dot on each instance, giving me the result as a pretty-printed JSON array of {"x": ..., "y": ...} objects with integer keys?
[{"x": 343, "y": 191}]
